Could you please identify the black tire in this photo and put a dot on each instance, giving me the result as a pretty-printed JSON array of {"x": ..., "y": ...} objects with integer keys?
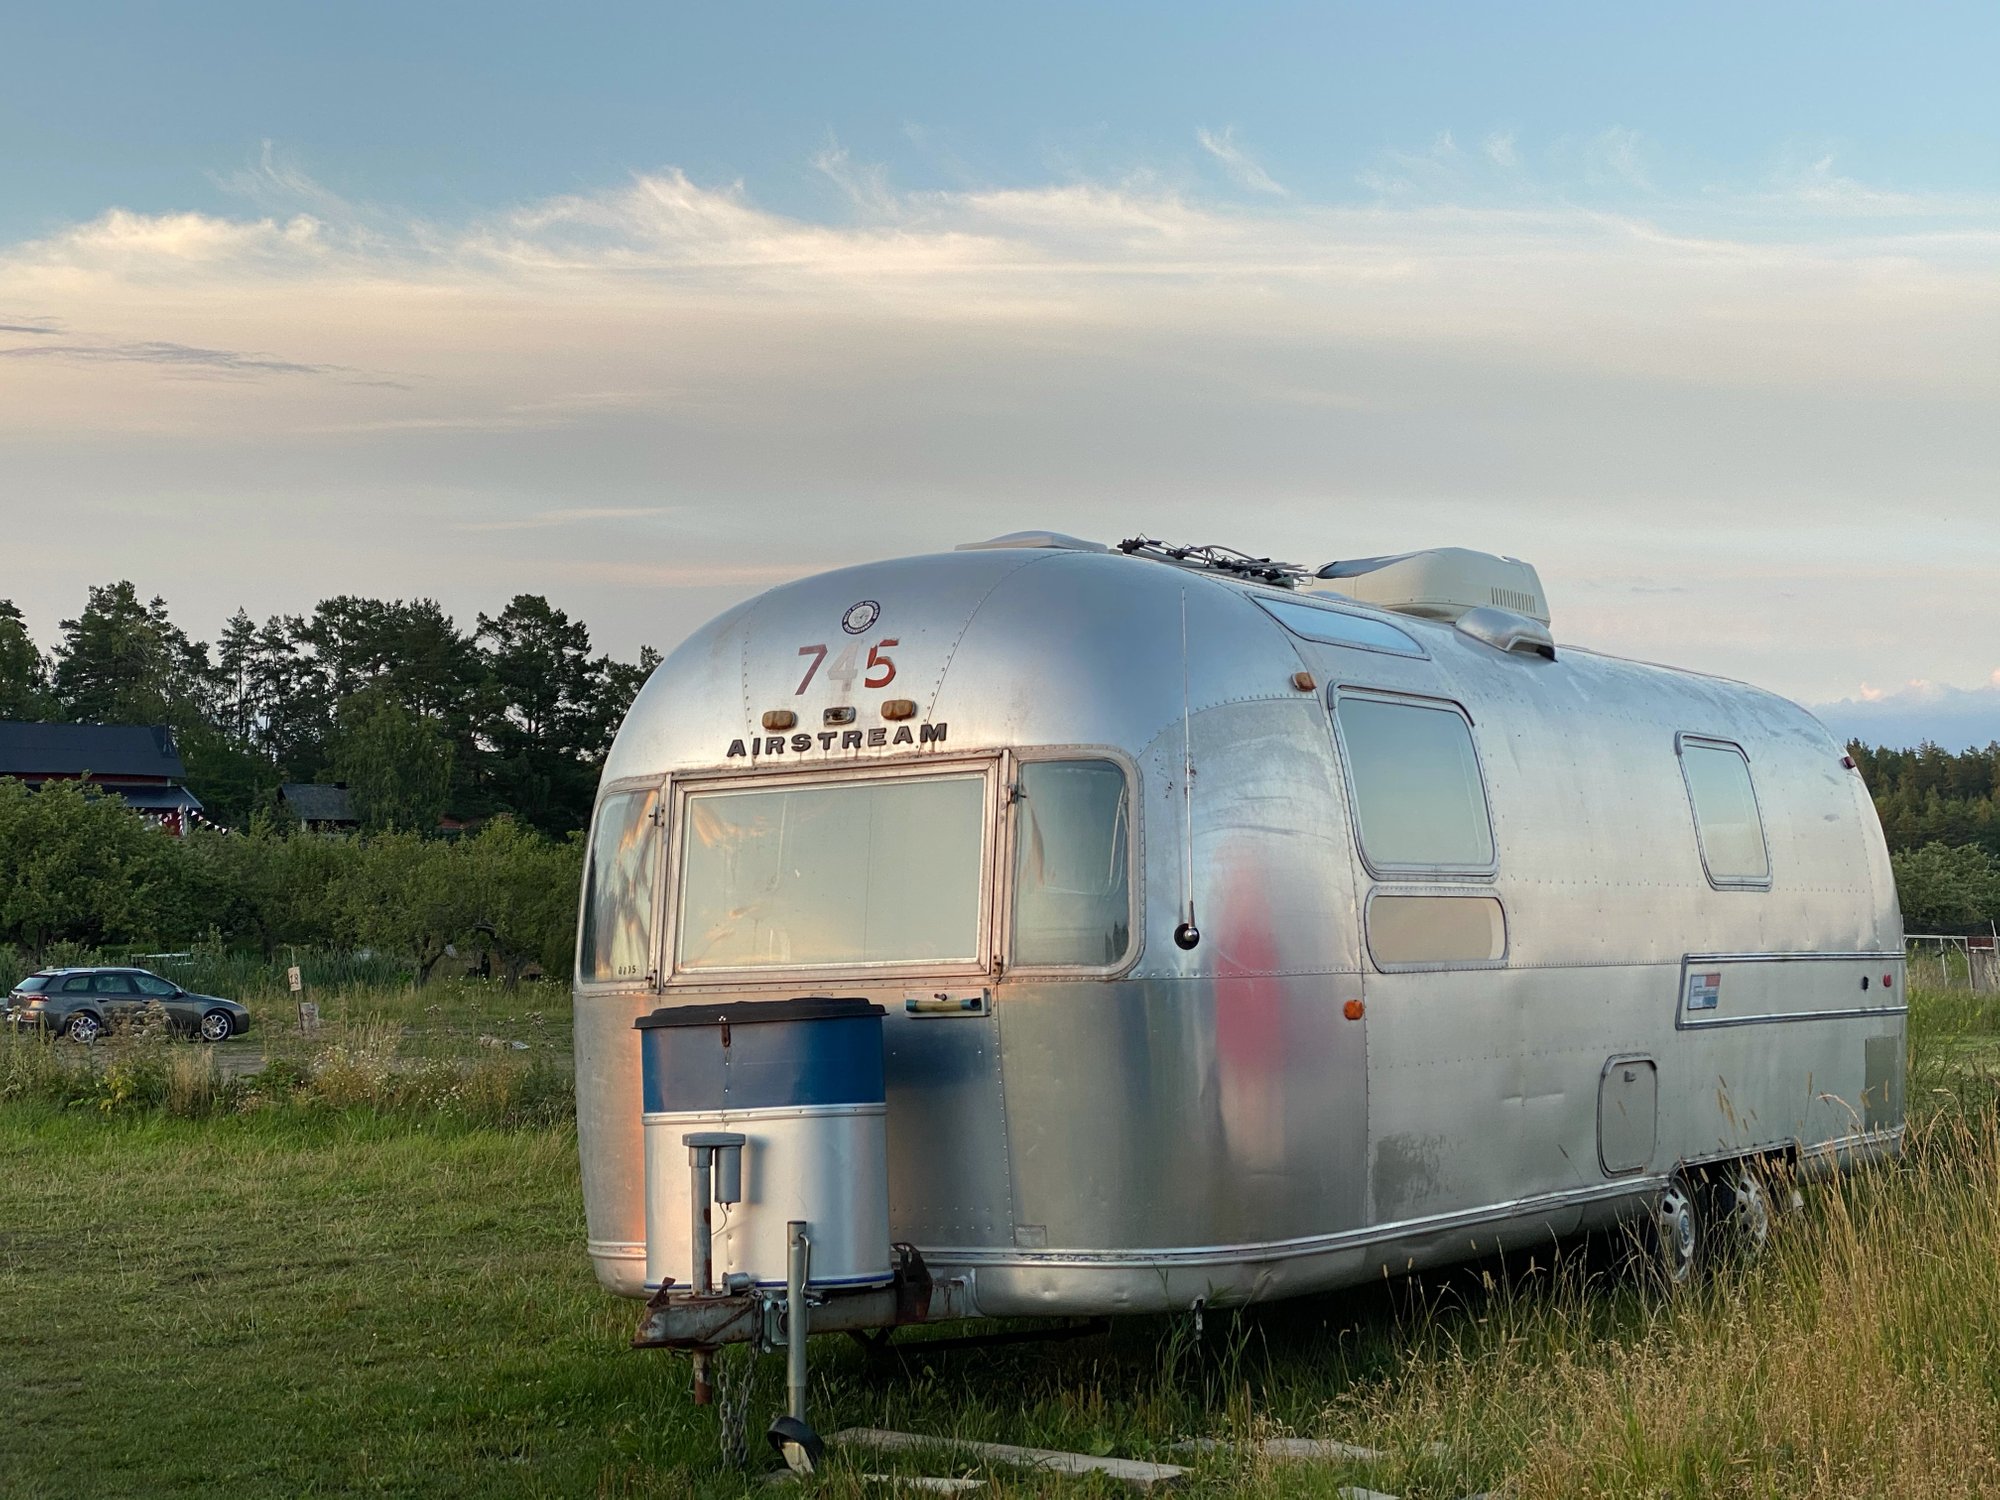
[
  {"x": 215, "y": 1026},
  {"x": 84, "y": 1027}
]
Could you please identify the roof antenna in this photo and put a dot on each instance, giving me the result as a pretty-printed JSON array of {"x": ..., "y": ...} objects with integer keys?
[{"x": 1187, "y": 934}]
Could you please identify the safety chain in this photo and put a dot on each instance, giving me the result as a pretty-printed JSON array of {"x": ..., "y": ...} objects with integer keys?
[{"x": 732, "y": 1404}]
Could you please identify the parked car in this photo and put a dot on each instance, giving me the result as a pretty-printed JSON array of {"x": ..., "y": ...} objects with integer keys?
[{"x": 82, "y": 1003}]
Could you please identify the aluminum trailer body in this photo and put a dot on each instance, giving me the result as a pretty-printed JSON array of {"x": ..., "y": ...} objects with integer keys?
[{"x": 1493, "y": 941}]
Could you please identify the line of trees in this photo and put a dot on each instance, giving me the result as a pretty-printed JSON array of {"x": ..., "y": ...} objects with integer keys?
[
  {"x": 1930, "y": 796},
  {"x": 417, "y": 717},
  {"x": 82, "y": 870},
  {"x": 1941, "y": 816}
]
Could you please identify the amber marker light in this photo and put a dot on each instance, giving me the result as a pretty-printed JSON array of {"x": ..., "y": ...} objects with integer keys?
[
  {"x": 900, "y": 708},
  {"x": 1354, "y": 1010},
  {"x": 1303, "y": 681},
  {"x": 780, "y": 718}
]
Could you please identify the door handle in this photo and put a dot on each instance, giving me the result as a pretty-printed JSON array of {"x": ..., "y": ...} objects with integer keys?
[{"x": 948, "y": 1002}]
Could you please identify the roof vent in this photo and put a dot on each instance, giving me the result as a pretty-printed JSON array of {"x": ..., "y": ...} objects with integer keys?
[
  {"x": 1441, "y": 584},
  {"x": 1053, "y": 540},
  {"x": 1504, "y": 630}
]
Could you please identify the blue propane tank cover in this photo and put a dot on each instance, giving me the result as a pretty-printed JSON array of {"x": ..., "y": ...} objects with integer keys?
[{"x": 761, "y": 1054}]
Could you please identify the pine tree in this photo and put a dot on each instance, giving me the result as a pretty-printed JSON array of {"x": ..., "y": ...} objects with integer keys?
[{"x": 24, "y": 675}]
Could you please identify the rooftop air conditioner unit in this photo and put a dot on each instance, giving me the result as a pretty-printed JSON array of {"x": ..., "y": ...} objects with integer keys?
[{"x": 1440, "y": 584}]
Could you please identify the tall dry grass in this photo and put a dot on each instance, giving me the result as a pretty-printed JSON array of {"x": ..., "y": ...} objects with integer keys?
[
  {"x": 362, "y": 1066},
  {"x": 1859, "y": 1356}
]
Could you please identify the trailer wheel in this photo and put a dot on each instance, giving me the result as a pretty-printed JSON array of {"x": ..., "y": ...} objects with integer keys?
[
  {"x": 1741, "y": 1210},
  {"x": 1674, "y": 1233}
]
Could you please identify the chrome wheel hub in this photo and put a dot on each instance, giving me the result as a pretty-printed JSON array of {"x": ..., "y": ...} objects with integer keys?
[{"x": 1679, "y": 1233}]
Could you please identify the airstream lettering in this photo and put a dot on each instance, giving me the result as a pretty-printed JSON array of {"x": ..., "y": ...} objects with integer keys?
[
  {"x": 848, "y": 739},
  {"x": 1496, "y": 940}
]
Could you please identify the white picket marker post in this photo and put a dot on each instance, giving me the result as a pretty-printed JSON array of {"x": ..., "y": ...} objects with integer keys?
[{"x": 308, "y": 1009}]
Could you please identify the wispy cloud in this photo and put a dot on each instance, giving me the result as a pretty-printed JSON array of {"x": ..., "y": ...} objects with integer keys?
[
  {"x": 1238, "y": 162},
  {"x": 689, "y": 574},
  {"x": 1919, "y": 710},
  {"x": 865, "y": 186},
  {"x": 574, "y": 515},
  {"x": 178, "y": 358},
  {"x": 1619, "y": 154},
  {"x": 1472, "y": 351}
]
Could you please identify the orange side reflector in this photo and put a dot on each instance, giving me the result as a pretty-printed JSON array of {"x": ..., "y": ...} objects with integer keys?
[{"x": 1353, "y": 1010}]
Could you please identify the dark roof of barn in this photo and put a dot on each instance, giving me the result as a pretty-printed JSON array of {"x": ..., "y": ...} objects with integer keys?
[
  {"x": 314, "y": 802},
  {"x": 160, "y": 798},
  {"x": 105, "y": 751}
]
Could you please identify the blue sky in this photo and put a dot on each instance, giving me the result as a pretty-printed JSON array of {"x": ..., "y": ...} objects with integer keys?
[
  {"x": 442, "y": 107},
  {"x": 1697, "y": 307}
]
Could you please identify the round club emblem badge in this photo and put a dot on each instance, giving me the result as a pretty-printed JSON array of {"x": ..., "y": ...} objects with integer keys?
[{"x": 859, "y": 617}]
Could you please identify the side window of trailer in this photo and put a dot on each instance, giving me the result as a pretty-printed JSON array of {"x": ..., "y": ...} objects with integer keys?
[
  {"x": 1419, "y": 801},
  {"x": 1072, "y": 864},
  {"x": 616, "y": 940},
  {"x": 1727, "y": 824}
]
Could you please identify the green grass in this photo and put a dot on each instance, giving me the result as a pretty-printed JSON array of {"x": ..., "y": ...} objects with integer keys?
[
  {"x": 374, "y": 1293},
  {"x": 314, "y": 1306}
]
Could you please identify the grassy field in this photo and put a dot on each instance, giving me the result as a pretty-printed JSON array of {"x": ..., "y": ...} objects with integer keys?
[{"x": 344, "y": 1282}]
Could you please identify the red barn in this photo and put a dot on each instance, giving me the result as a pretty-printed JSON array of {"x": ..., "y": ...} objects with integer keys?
[{"x": 137, "y": 762}]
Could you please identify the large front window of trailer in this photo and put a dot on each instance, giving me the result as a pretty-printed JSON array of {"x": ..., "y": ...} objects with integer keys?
[{"x": 877, "y": 872}]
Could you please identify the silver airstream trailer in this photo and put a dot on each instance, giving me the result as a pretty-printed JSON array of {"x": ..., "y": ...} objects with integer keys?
[{"x": 1047, "y": 928}]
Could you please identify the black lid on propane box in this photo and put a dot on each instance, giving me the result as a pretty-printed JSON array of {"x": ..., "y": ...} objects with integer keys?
[{"x": 750, "y": 1012}]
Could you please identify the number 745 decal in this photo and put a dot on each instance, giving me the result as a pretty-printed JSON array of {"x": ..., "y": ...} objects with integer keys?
[{"x": 879, "y": 669}]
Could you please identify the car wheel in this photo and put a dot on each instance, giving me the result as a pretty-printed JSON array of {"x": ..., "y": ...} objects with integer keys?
[
  {"x": 1742, "y": 1211},
  {"x": 1675, "y": 1236},
  {"x": 215, "y": 1026},
  {"x": 82, "y": 1027}
]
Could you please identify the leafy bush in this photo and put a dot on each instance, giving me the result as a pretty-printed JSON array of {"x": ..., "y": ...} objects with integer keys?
[
  {"x": 87, "y": 879},
  {"x": 1947, "y": 888}
]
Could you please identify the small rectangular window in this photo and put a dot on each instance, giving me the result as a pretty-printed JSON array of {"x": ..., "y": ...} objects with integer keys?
[
  {"x": 617, "y": 937},
  {"x": 1072, "y": 842},
  {"x": 1726, "y": 821},
  {"x": 152, "y": 984},
  {"x": 1425, "y": 931},
  {"x": 1419, "y": 802}
]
